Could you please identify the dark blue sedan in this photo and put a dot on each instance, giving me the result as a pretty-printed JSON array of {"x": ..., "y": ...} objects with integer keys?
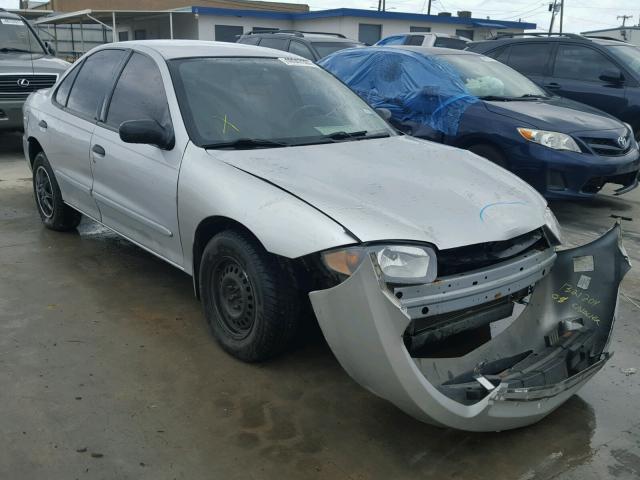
[{"x": 563, "y": 148}]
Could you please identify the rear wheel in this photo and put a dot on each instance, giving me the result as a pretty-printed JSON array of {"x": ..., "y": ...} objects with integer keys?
[
  {"x": 55, "y": 214},
  {"x": 248, "y": 296},
  {"x": 489, "y": 152}
]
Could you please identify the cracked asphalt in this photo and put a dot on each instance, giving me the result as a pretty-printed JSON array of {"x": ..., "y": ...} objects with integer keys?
[{"x": 107, "y": 371}]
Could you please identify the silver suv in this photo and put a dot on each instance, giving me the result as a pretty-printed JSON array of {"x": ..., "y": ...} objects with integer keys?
[{"x": 26, "y": 64}]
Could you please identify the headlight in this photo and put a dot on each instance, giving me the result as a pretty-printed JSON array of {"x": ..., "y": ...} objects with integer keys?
[
  {"x": 552, "y": 225},
  {"x": 398, "y": 263},
  {"x": 555, "y": 140}
]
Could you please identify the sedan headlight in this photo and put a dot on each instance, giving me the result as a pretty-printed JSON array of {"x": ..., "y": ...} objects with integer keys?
[
  {"x": 398, "y": 263},
  {"x": 555, "y": 140},
  {"x": 553, "y": 226}
]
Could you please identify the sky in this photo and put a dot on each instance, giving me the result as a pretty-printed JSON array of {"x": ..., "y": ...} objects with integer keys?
[{"x": 579, "y": 16}]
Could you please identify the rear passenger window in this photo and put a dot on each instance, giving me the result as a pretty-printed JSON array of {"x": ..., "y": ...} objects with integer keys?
[
  {"x": 134, "y": 99},
  {"x": 250, "y": 40},
  {"x": 93, "y": 81},
  {"x": 581, "y": 63},
  {"x": 300, "y": 49},
  {"x": 62, "y": 94},
  {"x": 277, "y": 43},
  {"x": 414, "y": 40},
  {"x": 530, "y": 58},
  {"x": 500, "y": 54},
  {"x": 446, "y": 42}
]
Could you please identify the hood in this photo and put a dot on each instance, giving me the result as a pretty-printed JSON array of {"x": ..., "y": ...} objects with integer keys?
[
  {"x": 556, "y": 114},
  {"x": 11, "y": 63},
  {"x": 401, "y": 188}
]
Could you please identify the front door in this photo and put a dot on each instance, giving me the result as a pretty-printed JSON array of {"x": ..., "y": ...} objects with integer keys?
[
  {"x": 135, "y": 185},
  {"x": 576, "y": 75}
]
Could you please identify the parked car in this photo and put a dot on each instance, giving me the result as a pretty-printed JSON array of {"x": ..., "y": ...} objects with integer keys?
[
  {"x": 563, "y": 148},
  {"x": 419, "y": 39},
  {"x": 26, "y": 64},
  {"x": 310, "y": 45},
  {"x": 601, "y": 72},
  {"x": 408, "y": 250}
]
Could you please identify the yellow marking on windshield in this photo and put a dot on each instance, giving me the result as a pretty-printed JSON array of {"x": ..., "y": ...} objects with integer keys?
[{"x": 227, "y": 122}]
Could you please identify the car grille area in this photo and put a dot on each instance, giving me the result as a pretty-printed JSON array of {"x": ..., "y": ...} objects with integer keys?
[
  {"x": 609, "y": 147},
  {"x": 23, "y": 85}
]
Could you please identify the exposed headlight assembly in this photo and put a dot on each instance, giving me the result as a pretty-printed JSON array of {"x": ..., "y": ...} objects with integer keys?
[
  {"x": 553, "y": 226},
  {"x": 406, "y": 264},
  {"x": 555, "y": 140}
]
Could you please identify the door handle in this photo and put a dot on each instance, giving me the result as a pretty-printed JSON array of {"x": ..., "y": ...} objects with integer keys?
[
  {"x": 98, "y": 150},
  {"x": 553, "y": 86},
  {"x": 42, "y": 124}
]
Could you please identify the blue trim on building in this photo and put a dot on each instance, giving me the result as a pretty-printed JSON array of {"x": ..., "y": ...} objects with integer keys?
[{"x": 354, "y": 12}]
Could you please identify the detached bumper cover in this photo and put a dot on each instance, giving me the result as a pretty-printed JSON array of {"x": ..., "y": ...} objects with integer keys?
[{"x": 364, "y": 324}]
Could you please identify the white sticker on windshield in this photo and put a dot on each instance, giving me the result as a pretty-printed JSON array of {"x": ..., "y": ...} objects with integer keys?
[
  {"x": 10, "y": 21},
  {"x": 298, "y": 62}
]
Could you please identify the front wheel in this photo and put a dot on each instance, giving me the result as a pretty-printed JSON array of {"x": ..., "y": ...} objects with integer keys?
[
  {"x": 248, "y": 296},
  {"x": 55, "y": 214}
]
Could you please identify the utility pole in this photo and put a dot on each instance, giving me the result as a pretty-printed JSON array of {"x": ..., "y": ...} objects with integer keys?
[
  {"x": 428, "y": 9},
  {"x": 553, "y": 8},
  {"x": 561, "y": 15},
  {"x": 624, "y": 18}
]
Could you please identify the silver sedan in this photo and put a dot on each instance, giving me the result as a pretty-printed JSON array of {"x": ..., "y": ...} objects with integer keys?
[{"x": 433, "y": 273}]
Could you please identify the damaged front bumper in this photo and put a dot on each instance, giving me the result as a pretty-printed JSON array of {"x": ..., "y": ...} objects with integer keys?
[{"x": 488, "y": 350}]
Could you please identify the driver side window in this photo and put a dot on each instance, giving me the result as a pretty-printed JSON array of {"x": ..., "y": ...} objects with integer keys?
[{"x": 139, "y": 94}]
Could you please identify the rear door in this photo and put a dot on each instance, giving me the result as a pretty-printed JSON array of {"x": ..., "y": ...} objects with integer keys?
[
  {"x": 532, "y": 59},
  {"x": 135, "y": 185},
  {"x": 576, "y": 75},
  {"x": 70, "y": 126}
]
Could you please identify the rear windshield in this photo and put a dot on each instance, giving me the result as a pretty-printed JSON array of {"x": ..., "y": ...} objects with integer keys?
[
  {"x": 16, "y": 37},
  {"x": 327, "y": 48},
  {"x": 628, "y": 55}
]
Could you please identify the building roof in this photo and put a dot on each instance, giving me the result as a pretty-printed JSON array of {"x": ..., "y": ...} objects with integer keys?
[
  {"x": 613, "y": 29},
  {"x": 355, "y": 12}
]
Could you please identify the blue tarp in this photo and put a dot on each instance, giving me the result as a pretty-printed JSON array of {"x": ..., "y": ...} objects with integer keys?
[{"x": 415, "y": 88}]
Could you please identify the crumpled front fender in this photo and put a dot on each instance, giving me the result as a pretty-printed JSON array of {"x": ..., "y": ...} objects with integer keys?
[{"x": 364, "y": 324}]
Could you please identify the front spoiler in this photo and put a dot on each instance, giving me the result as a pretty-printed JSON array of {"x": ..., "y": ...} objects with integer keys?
[{"x": 364, "y": 324}]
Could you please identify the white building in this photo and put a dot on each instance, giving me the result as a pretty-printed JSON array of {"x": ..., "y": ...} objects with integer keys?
[
  {"x": 628, "y": 34},
  {"x": 226, "y": 24}
]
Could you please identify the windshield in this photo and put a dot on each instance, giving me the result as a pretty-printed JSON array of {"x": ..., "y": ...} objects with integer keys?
[
  {"x": 15, "y": 36},
  {"x": 283, "y": 101},
  {"x": 628, "y": 55},
  {"x": 485, "y": 77},
  {"x": 327, "y": 48}
]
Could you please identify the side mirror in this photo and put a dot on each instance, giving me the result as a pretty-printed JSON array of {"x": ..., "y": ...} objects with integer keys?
[
  {"x": 612, "y": 76},
  {"x": 50, "y": 49},
  {"x": 148, "y": 132},
  {"x": 384, "y": 113}
]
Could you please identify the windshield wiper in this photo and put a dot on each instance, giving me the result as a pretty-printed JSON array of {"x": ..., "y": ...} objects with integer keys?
[
  {"x": 345, "y": 135},
  {"x": 532, "y": 95},
  {"x": 496, "y": 98},
  {"x": 11, "y": 49},
  {"x": 246, "y": 144}
]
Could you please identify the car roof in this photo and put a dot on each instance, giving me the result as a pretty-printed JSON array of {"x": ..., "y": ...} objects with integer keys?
[
  {"x": 171, "y": 49},
  {"x": 534, "y": 39},
  {"x": 435, "y": 34},
  {"x": 436, "y": 51},
  {"x": 327, "y": 37}
]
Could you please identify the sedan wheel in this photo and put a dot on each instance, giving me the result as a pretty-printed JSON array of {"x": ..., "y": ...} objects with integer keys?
[
  {"x": 51, "y": 207},
  {"x": 248, "y": 297},
  {"x": 44, "y": 192}
]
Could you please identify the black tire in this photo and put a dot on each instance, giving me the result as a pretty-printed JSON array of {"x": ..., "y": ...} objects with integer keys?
[
  {"x": 248, "y": 296},
  {"x": 55, "y": 214},
  {"x": 489, "y": 152}
]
